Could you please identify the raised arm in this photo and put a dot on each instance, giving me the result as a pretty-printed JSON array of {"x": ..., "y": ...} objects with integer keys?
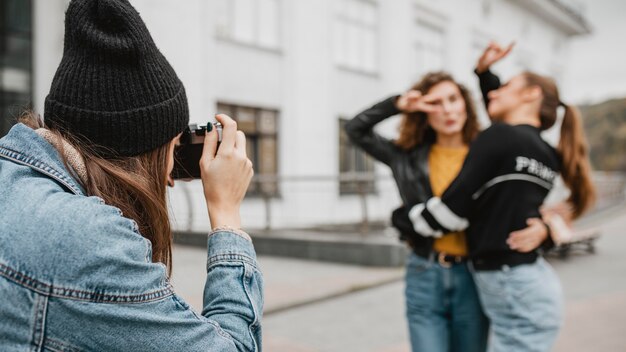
[
  {"x": 489, "y": 81},
  {"x": 361, "y": 128}
]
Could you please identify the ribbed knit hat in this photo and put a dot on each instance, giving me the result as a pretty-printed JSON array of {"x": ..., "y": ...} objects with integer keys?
[{"x": 113, "y": 88}]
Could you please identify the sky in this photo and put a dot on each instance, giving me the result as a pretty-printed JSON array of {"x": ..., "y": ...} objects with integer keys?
[{"x": 596, "y": 67}]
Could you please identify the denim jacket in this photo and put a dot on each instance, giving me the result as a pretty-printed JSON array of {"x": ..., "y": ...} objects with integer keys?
[{"x": 75, "y": 275}]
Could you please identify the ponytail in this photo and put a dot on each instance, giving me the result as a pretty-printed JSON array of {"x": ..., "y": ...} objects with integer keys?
[{"x": 576, "y": 169}]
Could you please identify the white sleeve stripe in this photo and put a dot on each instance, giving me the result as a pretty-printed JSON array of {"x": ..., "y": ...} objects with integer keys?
[
  {"x": 420, "y": 225},
  {"x": 444, "y": 216}
]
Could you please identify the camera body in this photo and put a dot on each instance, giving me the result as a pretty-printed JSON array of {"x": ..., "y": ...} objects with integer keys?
[{"x": 188, "y": 152}]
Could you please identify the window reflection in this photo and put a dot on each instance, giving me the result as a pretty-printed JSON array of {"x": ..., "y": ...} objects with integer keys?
[{"x": 15, "y": 60}]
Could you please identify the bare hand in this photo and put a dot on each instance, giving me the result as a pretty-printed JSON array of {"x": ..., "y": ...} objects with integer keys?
[
  {"x": 413, "y": 101},
  {"x": 563, "y": 209},
  {"x": 529, "y": 238},
  {"x": 225, "y": 175},
  {"x": 492, "y": 54}
]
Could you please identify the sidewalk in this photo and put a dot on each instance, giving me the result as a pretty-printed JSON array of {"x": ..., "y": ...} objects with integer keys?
[
  {"x": 288, "y": 282},
  {"x": 318, "y": 306}
]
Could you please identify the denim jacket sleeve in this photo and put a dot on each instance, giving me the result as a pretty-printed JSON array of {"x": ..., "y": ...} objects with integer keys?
[
  {"x": 230, "y": 319},
  {"x": 233, "y": 293}
]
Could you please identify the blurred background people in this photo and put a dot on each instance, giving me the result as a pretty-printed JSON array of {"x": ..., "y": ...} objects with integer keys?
[{"x": 505, "y": 179}]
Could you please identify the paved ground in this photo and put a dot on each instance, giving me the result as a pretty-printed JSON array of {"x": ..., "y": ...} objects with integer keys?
[{"x": 313, "y": 306}]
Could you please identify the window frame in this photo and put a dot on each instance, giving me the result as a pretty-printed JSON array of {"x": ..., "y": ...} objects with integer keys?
[
  {"x": 343, "y": 19},
  {"x": 348, "y": 188},
  {"x": 5, "y": 33},
  {"x": 228, "y": 33},
  {"x": 255, "y": 190}
]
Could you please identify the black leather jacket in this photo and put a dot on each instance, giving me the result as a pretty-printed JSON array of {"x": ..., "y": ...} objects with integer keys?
[{"x": 409, "y": 168}]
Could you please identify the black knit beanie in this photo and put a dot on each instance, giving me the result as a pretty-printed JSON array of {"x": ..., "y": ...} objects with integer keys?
[{"x": 113, "y": 88}]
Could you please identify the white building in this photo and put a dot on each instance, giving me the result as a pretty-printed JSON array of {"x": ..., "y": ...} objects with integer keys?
[{"x": 290, "y": 70}]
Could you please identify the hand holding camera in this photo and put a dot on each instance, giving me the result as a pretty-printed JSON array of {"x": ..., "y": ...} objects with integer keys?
[
  {"x": 189, "y": 150},
  {"x": 226, "y": 173}
]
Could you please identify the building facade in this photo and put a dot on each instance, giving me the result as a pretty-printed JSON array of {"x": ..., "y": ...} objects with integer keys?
[{"x": 291, "y": 72}]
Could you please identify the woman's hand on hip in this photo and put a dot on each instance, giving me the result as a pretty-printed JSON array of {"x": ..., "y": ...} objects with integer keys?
[
  {"x": 226, "y": 173},
  {"x": 529, "y": 238}
]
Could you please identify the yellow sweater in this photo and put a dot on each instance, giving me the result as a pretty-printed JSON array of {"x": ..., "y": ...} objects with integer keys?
[{"x": 445, "y": 164}]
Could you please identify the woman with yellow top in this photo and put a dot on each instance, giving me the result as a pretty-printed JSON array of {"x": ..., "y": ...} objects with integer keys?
[{"x": 439, "y": 122}]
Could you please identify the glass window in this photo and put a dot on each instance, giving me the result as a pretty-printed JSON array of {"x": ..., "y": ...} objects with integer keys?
[
  {"x": 356, "y": 35},
  {"x": 255, "y": 22},
  {"x": 15, "y": 61},
  {"x": 268, "y": 23},
  {"x": 17, "y": 17},
  {"x": 429, "y": 49},
  {"x": 243, "y": 21},
  {"x": 260, "y": 127},
  {"x": 353, "y": 161}
]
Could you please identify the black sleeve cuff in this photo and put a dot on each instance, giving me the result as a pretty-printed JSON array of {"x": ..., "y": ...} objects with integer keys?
[
  {"x": 388, "y": 106},
  {"x": 548, "y": 244}
]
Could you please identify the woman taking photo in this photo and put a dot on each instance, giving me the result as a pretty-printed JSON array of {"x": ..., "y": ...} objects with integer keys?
[
  {"x": 85, "y": 240},
  {"x": 439, "y": 122},
  {"x": 506, "y": 176}
]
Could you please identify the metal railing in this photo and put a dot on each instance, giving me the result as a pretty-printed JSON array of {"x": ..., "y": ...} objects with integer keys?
[{"x": 611, "y": 190}]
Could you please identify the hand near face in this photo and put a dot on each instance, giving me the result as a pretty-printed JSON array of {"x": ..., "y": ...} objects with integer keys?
[
  {"x": 414, "y": 101},
  {"x": 492, "y": 54}
]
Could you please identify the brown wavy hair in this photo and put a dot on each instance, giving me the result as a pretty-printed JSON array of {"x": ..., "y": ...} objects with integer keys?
[
  {"x": 136, "y": 185},
  {"x": 414, "y": 127},
  {"x": 573, "y": 147}
]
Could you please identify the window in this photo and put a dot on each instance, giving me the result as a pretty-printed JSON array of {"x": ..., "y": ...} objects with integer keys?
[
  {"x": 355, "y": 35},
  {"x": 429, "y": 48},
  {"x": 261, "y": 129},
  {"x": 352, "y": 160},
  {"x": 486, "y": 8},
  {"x": 15, "y": 60},
  {"x": 254, "y": 22}
]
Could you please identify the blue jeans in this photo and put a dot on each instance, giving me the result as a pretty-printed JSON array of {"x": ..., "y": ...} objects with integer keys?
[
  {"x": 443, "y": 309},
  {"x": 524, "y": 305}
]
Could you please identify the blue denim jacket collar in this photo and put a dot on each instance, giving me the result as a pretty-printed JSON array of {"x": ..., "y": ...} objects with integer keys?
[
  {"x": 56, "y": 231},
  {"x": 22, "y": 145}
]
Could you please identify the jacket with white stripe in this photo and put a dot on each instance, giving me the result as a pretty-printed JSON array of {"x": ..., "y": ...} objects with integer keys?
[{"x": 508, "y": 172}]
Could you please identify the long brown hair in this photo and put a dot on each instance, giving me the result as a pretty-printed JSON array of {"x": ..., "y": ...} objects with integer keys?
[
  {"x": 573, "y": 147},
  {"x": 136, "y": 185},
  {"x": 414, "y": 127}
]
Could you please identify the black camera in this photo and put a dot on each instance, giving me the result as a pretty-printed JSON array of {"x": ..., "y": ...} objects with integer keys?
[{"x": 188, "y": 152}]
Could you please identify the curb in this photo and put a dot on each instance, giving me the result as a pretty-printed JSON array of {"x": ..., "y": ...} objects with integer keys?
[{"x": 346, "y": 248}]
